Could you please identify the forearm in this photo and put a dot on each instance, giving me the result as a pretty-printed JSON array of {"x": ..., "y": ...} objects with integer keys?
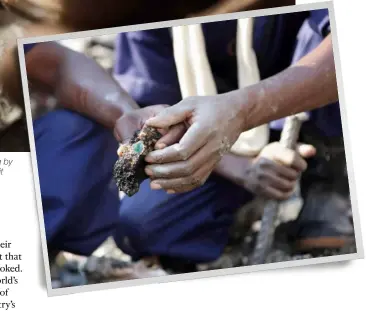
[
  {"x": 10, "y": 79},
  {"x": 230, "y": 6},
  {"x": 307, "y": 85},
  {"x": 78, "y": 83}
]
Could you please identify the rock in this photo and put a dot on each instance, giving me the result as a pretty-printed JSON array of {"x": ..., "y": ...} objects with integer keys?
[
  {"x": 71, "y": 278},
  {"x": 104, "y": 269},
  {"x": 129, "y": 169}
]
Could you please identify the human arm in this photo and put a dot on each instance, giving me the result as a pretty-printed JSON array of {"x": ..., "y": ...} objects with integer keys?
[
  {"x": 271, "y": 174},
  {"x": 310, "y": 83},
  {"x": 217, "y": 121},
  {"x": 81, "y": 85},
  {"x": 230, "y": 6},
  {"x": 77, "y": 82}
]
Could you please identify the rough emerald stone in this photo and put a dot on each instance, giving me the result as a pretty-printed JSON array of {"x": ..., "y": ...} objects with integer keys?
[
  {"x": 129, "y": 170},
  {"x": 138, "y": 147}
]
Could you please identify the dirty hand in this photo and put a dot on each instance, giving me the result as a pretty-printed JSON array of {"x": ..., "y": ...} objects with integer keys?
[
  {"x": 274, "y": 171},
  {"x": 134, "y": 120},
  {"x": 214, "y": 124}
]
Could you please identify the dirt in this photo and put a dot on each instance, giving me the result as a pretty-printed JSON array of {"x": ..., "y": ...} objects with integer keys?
[{"x": 108, "y": 263}]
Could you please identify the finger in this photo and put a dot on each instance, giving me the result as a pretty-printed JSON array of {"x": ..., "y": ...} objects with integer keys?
[
  {"x": 126, "y": 127},
  {"x": 306, "y": 151},
  {"x": 171, "y": 116},
  {"x": 275, "y": 181},
  {"x": 276, "y": 168},
  {"x": 171, "y": 136},
  {"x": 290, "y": 158},
  {"x": 276, "y": 194},
  {"x": 130, "y": 122},
  {"x": 188, "y": 183},
  {"x": 183, "y": 168},
  {"x": 192, "y": 140},
  {"x": 299, "y": 163},
  {"x": 285, "y": 172},
  {"x": 163, "y": 131},
  {"x": 117, "y": 135},
  {"x": 152, "y": 111}
]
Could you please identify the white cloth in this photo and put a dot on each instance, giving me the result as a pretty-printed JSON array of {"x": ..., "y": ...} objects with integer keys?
[{"x": 196, "y": 79}]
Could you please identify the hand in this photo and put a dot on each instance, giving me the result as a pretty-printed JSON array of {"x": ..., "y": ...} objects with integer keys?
[
  {"x": 274, "y": 172},
  {"x": 132, "y": 121},
  {"x": 215, "y": 123}
]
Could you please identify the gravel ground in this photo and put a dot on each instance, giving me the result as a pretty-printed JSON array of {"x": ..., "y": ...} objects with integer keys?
[{"x": 108, "y": 263}]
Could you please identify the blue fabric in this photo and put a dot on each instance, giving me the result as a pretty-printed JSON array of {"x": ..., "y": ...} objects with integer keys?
[
  {"x": 191, "y": 226},
  {"x": 28, "y": 47},
  {"x": 145, "y": 64},
  {"x": 75, "y": 161}
]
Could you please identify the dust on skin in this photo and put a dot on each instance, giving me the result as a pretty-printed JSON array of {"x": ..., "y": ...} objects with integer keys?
[
  {"x": 224, "y": 147},
  {"x": 112, "y": 97},
  {"x": 275, "y": 91}
]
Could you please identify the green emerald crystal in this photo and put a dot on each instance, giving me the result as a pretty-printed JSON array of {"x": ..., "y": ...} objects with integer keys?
[{"x": 138, "y": 147}]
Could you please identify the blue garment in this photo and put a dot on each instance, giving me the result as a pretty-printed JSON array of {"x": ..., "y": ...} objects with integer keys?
[
  {"x": 27, "y": 47},
  {"x": 192, "y": 226},
  {"x": 80, "y": 200},
  {"x": 145, "y": 62},
  {"x": 75, "y": 160}
]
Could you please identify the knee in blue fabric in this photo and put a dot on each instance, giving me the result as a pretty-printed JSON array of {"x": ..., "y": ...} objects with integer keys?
[
  {"x": 191, "y": 226},
  {"x": 75, "y": 160}
]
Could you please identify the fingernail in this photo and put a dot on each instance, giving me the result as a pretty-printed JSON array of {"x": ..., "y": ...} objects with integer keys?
[
  {"x": 160, "y": 146},
  {"x": 155, "y": 186},
  {"x": 148, "y": 158},
  {"x": 170, "y": 191},
  {"x": 162, "y": 131},
  {"x": 148, "y": 171}
]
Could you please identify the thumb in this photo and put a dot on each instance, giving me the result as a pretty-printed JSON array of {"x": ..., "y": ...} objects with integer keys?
[
  {"x": 306, "y": 151},
  {"x": 170, "y": 116},
  {"x": 126, "y": 127},
  {"x": 130, "y": 122}
]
